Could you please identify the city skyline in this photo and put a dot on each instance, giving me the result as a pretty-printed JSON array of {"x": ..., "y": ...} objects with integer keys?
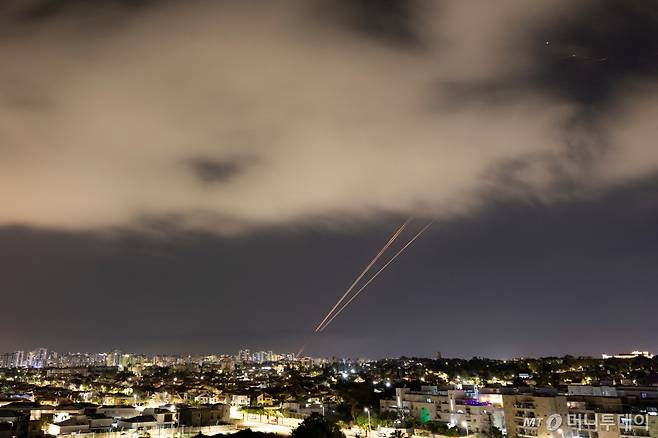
[{"x": 43, "y": 357}]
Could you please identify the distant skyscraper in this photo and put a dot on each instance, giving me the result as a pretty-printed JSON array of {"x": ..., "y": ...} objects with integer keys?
[
  {"x": 113, "y": 359},
  {"x": 53, "y": 359},
  {"x": 5, "y": 360},
  {"x": 244, "y": 356},
  {"x": 36, "y": 358},
  {"x": 18, "y": 359},
  {"x": 30, "y": 359},
  {"x": 40, "y": 358},
  {"x": 126, "y": 360}
]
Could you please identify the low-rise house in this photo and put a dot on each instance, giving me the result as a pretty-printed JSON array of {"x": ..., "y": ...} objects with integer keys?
[
  {"x": 80, "y": 424},
  {"x": 119, "y": 411},
  {"x": 64, "y": 412},
  {"x": 264, "y": 399},
  {"x": 164, "y": 417},
  {"x": 206, "y": 398},
  {"x": 138, "y": 422},
  {"x": 75, "y": 424},
  {"x": 117, "y": 400},
  {"x": 100, "y": 423},
  {"x": 240, "y": 400},
  {"x": 15, "y": 424},
  {"x": 34, "y": 410},
  {"x": 303, "y": 408},
  {"x": 149, "y": 419},
  {"x": 209, "y": 415}
]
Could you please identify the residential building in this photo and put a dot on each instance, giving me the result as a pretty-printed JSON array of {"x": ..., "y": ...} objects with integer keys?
[
  {"x": 118, "y": 411},
  {"x": 536, "y": 415},
  {"x": 454, "y": 407},
  {"x": 209, "y": 415},
  {"x": 631, "y": 355},
  {"x": 15, "y": 424},
  {"x": 264, "y": 399},
  {"x": 240, "y": 400},
  {"x": 137, "y": 422},
  {"x": 18, "y": 359}
]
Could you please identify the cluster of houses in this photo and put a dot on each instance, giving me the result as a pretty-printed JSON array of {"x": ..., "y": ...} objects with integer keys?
[{"x": 30, "y": 419}]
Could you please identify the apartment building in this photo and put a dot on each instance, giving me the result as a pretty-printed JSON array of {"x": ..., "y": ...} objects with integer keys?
[
  {"x": 454, "y": 407},
  {"x": 536, "y": 416}
]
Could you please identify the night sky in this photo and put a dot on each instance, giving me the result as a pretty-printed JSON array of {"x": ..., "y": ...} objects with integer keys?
[{"x": 204, "y": 176}]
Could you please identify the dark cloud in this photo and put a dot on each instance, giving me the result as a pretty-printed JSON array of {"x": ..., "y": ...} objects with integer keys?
[
  {"x": 395, "y": 22},
  {"x": 40, "y": 10},
  {"x": 331, "y": 120},
  {"x": 214, "y": 171},
  {"x": 591, "y": 54}
]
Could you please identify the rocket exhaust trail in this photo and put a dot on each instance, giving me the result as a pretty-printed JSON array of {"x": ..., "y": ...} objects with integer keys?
[
  {"x": 397, "y": 254},
  {"x": 365, "y": 270}
]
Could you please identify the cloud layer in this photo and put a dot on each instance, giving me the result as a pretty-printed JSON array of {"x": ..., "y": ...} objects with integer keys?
[{"x": 228, "y": 117}]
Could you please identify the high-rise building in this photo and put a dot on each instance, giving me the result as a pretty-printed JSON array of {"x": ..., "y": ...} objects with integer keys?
[
  {"x": 244, "y": 356},
  {"x": 18, "y": 359},
  {"x": 126, "y": 360},
  {"x": 36, "y": 358},
  {"x": 40, "y": 358},
  {"x": 113, "y": 359},
  {"x": 258, "y": 357},
  {"x": 53, "y": 359},
  {"x": 5, "y": 360},
  {"x": 31, "y": 359}
]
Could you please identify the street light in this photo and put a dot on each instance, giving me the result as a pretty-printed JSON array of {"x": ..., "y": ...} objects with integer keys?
[{"x": 369, "y": 427}]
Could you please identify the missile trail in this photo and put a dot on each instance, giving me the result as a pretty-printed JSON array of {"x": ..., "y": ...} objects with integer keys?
[
  {"x": 397, "y": 254},
  {"x": 365, "y": 270}
]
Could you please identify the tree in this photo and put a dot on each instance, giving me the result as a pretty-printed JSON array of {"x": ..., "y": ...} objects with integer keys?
[
  {"x": 362, "y": 421},
  {"x": 255, "y": 410},
  {"x": 316, "y": 426}
]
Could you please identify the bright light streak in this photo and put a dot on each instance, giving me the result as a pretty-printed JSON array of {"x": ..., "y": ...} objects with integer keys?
[
  {"x": 397, "y": 254},
  {"x": 365, "y": 270}
]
